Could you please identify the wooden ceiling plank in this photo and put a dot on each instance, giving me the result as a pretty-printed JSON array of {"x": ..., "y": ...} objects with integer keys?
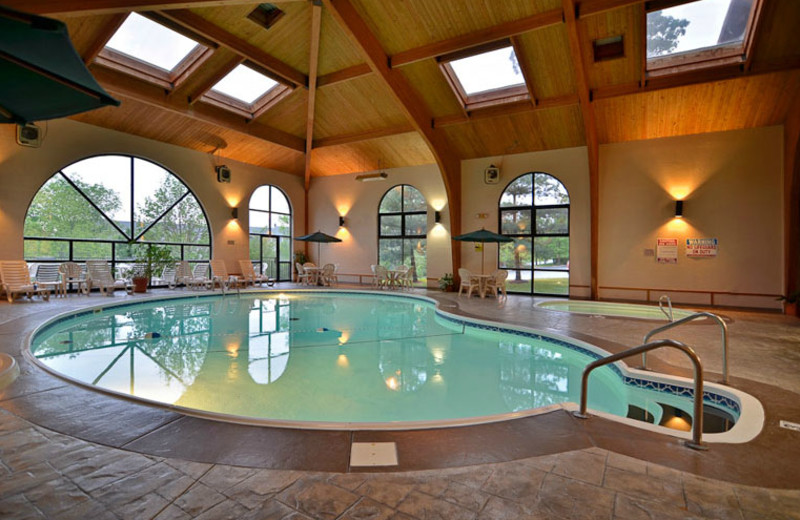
[
  {"x": 121, "y": 85},
  {"x": 223, "y": 71},
  {"x": 590, "y": 127},
  {"x": 104, "y": 34},
  {"x": 356, "y": 71},
  {"x": 251, "y": 52},
  {"x": 419, "y": 115},
  {"x": 505, "y": 110},
  {"x": 94, "y": 7},
  {"x": 488, "y": 34},
  {"x": 362, "y": 136},
  {"x": 591, "y": 7},
  {"x": 313, "y": 64}
]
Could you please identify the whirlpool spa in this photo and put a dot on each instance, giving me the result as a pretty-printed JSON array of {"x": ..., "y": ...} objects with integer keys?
[{"x": 358, "y": 360}]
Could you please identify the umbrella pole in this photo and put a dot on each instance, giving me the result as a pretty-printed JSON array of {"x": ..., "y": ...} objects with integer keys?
[{"x": 483, "y": 254}]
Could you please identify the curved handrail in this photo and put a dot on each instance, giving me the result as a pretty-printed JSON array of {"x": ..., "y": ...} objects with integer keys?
[
  {"x": 692, "y": 318},
  {"x": 697, "y": 419},
  {"x": 669, "y": 314}
]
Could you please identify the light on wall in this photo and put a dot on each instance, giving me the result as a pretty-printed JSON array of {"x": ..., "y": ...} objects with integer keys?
[
  {"x": 367, "y": 177},
  {"x": 437, "y": 216},
  {"x": 234, "y": 213},
  {"x": 678, "y": 209},
  {"x": 341, "y": 221}
]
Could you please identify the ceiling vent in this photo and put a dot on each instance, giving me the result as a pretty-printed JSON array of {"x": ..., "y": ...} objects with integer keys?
[{"x": 608, "y": 48}]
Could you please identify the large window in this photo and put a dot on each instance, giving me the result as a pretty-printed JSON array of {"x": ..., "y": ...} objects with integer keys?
[
  {"x": 94, "y": 209},
  {"x": 402, "y": 230},
  {"x": 271, "y": 233},
  {"x": 534, "y": 211}
]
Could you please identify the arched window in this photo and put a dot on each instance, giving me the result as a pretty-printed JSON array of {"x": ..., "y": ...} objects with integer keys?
[
  {"x": 94, "y": 208},
  {"x": 402, "y": 229},
  {"x": 534, "y": 211},
  {"x": 271, "y": 232}
]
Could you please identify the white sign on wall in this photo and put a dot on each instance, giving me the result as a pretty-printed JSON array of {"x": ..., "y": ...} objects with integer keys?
[
  {"x": 667, "y": 250},
  {"x": 701, "y": 247}
]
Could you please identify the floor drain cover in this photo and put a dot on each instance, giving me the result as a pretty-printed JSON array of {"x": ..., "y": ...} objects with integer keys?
[{"x": 373, "y": 454}]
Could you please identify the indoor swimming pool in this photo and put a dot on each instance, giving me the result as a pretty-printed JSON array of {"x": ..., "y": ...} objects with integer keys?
[{"x": 345, "y": 359}]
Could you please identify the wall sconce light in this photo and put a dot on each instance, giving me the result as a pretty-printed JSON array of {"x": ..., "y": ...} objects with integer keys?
[
  {"x": 437, "y": 216},
  {"x": 678, "y": 209},
  {"x": 235, "y": 213},
  {"x": 341, "y": 221}
]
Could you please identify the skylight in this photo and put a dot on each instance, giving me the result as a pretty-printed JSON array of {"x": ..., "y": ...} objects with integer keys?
[
  {"x": 488, "y": 71},
  {"x": 244, "y": 84},
  {"x": 692, "y": 30},
  {"x": 152, "y": 43}
]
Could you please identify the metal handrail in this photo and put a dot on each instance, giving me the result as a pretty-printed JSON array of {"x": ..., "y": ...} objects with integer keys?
[
  {"x": 697, "y": 421},
  {"x": 661, "y": 306},
  {"x": 692, "y": 318}
]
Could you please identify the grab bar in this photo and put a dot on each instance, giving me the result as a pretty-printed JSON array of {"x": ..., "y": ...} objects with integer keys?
[
  {"x": 669, "y": 303},
  {"x": 697, "y": 421},
  {"x": 688, "y": 319}
]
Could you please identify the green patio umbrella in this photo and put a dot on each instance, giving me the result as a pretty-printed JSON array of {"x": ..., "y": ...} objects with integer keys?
[
  {"x": 483, "y": 236},
  {"x": 41, "y": 75},
  {"x": 319, "y": 237}
]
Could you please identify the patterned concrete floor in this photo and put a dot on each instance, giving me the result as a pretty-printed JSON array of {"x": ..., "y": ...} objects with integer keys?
[{"x": 45, "y": 474}]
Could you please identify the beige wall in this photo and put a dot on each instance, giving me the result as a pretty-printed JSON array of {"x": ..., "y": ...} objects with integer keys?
[
  {"x": 732, "y": 186},
  {"x": 358, "y": 202},
  {"x": 23, "y": 170},
  {"x": 570, "y": 166}
]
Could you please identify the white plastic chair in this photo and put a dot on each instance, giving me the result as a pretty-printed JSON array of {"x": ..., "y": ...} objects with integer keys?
[
  {"x": 302, "y": 276},
  {"x": 72, "y": 273},
  {"x": 250, "y": 275},
  {"x": 199, "y": 278},
  {"x": 468, "y": 282},
  {"x": 497, "y": 283},
  {"x": 16, "y": 279},
  {"x": 381, "y": 277}
]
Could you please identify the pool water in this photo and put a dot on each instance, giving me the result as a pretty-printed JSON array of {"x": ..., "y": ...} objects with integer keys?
[
  {"x": 628, "y": 310},
  {"x": 327, "y": 358}
]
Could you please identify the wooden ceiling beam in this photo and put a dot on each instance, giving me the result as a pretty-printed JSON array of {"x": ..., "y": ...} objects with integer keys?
[
  {"x": 592, "y": 7},
  {"x": 356, "y": 71},
  {"x": 313, "y": 64},
  {"x": 527, "y": 75},
  {"x": 505, "y": 110},
  {"x": 414, "y": 107},
  {"x": 362, "y": 136},
  {"x": 104, "y": 34},
  {"x": 216, "y": 34},
  {"x": 590, "y": 128},
  {"x": 94, "y": 7},
  {"x": 121, "y": 85},
  {"x": 204, "y": 87},
  {"x": 489, "y": 34}
]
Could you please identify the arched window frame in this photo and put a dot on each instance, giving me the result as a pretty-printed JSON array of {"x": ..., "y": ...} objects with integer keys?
[
  {"x": 533, "y": 234},
  {"x": 283, "y": 271},
  {"x": 118, "y": 253},
  {"x": 403, "y": 214}
]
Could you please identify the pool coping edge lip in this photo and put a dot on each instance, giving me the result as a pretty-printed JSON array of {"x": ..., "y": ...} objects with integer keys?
[{"x": 751, "y": 423}]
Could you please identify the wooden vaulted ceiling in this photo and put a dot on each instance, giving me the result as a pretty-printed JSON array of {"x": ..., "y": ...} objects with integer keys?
[{"x": 368, "y": 68}]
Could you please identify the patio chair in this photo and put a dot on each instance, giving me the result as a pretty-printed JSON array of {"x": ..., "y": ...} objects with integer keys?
[
  {"x": 497, "y": 283},
  {"x": 199, "y": 277},
  {"x": 382, "y": 279},
  {"x": 72, "y": 273},
  {"x": 250, "y": 274},
  {"x": 98, "y": 274},
  {"x": 407, "y": 279},
  {"x": 468, "y": 282},
  {"x": 49, "y": 276},
  {"x": 16, "y": 279},
  {"x": 302, "y": 276},
  {"x": 327, "y": 274}
]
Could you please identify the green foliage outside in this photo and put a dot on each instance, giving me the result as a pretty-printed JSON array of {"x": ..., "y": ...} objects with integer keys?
[{"x": 663, "y": 33}]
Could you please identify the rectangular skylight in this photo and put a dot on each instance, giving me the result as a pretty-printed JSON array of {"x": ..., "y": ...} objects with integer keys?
[
  {"x": 697, "y": 25},
  {"x": 152, "y": 43},
  {"x": 491, "y": 70},
  {"x": 244, "y": 84}
]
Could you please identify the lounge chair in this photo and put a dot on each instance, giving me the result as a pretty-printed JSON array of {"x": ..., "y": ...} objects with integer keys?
[
  {"x": 98, "y": 274},
  {"x": 219, "y": 275},
  {"x": 249, "y": 274},
  {"x": 49, "y": 277},
  {"x": 199, "y": 277},
  {"x": 468, "y": 282},
  {"x": 183, "y": 273},
  {"x": 16, "y": 279}
]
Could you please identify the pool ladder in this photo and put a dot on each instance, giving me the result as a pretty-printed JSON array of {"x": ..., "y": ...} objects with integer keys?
[
  {"x": 687, "y": 319},
  {"x": 697, "y": 419},
  {"x": 661, "y": 301}
]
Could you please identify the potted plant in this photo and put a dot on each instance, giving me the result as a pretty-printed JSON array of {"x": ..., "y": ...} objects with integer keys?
[
  {"x": 149, "y": 260},
  {"x": 446, "y": 282},
  {"x": 790, "y": 302}
]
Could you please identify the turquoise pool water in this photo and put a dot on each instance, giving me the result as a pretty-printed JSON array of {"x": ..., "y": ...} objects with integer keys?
[
  {"x": 328, "y": 358},
  {"x": 628, "y": 310}
]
